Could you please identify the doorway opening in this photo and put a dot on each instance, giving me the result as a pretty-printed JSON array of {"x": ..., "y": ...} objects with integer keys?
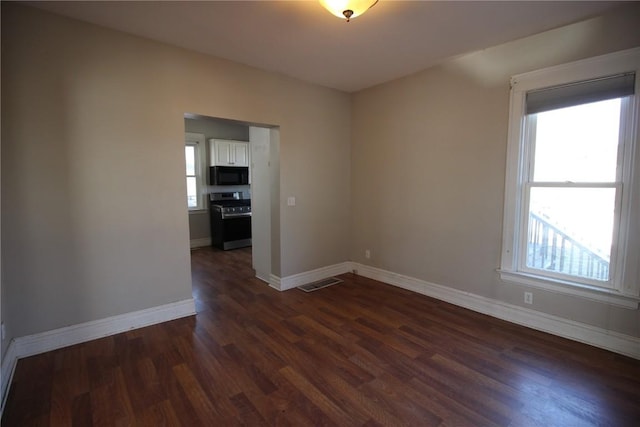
[{"x": 207, "y": 142}]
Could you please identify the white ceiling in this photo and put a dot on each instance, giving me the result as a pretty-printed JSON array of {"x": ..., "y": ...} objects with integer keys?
[{"x": 301, "y": 39}]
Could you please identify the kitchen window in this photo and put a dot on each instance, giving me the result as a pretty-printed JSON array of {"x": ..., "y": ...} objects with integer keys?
[
  {"x": 194, "y": 145},
  {"x": 571, "y": 203}
]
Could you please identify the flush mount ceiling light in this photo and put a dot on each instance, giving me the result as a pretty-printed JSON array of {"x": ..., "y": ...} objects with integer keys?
[{"x": 347, "y": 8}]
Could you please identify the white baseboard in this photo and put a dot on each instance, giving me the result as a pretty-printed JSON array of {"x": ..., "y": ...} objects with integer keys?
[
  {"x": 8, "y": 368},
  {"x": 75, "y": 334},
  {"x": 577, "y": 331},
  {"x": 290, "y": 282},
  {"x": 70, "y": 335},
  {"x": 274, "y": 282},
  {"x": 199, "y": 243}
]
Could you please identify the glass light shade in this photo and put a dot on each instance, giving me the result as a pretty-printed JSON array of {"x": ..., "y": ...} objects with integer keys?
[{"x": 338, "y": 7}]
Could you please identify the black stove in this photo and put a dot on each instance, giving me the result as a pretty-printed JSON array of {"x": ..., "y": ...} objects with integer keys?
[
  {"x": 230, "y": 220},
  {"x": 230, "y": 204}
]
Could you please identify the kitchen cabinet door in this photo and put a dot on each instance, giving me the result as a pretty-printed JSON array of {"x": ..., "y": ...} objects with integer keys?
[
  {"x": 240, "y": 153},
  {"x": 229, "y": 153}
]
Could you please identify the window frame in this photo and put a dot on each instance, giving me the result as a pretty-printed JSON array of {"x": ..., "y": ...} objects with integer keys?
[
  {"x": 197, "y": 140},
  {"x": 624, "y": 287}
]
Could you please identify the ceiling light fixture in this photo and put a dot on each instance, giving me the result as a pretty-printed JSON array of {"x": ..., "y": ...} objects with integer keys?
[{"x": 347, "y": 8}]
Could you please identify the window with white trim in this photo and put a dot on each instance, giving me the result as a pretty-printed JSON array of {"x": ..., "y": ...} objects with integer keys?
[
  {"x": 194, "y": 156},
  {"x": 571, "y": 202}
]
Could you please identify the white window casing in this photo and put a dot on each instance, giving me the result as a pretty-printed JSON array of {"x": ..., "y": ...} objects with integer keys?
[{"x": 557, "y": 87}]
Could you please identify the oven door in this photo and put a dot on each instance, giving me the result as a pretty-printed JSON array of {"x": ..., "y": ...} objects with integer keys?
[{"x": 231, "y": 231}]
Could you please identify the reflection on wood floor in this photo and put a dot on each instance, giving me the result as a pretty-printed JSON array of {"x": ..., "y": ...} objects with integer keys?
[{"x": 358, "y": 353}]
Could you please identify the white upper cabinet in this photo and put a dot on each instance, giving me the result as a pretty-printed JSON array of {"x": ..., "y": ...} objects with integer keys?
[{"x": 226, "y": 152}]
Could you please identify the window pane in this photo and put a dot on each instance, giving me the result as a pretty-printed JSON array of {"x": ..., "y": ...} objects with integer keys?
[
  {"x": 192, "y": 193},
  {"x": 190, "y": 156},
  {"x": 570, "y": 231},
  {"x": 578, "y": 144}
]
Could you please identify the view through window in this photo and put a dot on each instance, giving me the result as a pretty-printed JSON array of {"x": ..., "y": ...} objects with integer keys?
[
  {"x": 190, "y": 152},
  {"x": 572, "y": 189}
]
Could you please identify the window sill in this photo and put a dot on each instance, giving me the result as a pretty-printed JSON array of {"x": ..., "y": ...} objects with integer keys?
[{"x": 611, "y": 297}]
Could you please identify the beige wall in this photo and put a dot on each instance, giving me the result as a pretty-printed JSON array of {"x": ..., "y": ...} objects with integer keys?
[
  {"x": 93, "y": 167},
  {"x": 428, "y": 167}
]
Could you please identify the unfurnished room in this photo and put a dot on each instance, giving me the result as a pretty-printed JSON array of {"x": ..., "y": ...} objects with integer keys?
[{"x": 334, "y": 212}]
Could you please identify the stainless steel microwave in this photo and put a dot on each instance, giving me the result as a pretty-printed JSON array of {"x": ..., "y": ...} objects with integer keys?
[{"x": 228, "y": 175}]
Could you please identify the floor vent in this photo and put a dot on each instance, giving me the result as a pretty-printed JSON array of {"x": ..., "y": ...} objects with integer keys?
[{"x": 314, "y": 286}]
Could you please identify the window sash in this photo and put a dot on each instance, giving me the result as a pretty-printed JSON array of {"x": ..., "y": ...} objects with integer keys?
[
  {"x": 523, "y": 235},
  {"x": 195, "y": 195},
  {"x": 528, "y": 145},
  {"x": 197, "y": 175}
]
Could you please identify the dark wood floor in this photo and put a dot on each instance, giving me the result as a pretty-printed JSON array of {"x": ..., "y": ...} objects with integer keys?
[{"x": 358, "y": 353}]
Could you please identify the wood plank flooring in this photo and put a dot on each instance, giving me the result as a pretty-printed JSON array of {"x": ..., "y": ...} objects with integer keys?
[{"x": 360, "y": 353}]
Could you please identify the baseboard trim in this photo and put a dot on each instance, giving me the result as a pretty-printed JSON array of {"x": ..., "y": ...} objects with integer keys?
[
  {"x": 9, "y": 362},
  {"x": 51, "y": 340},
  {"x": 274, "y": 282},
  {"x": 200, "y": 243},
  {"x": 577, "y": 331},
  {"x": 290, "y": 282},
  {"x": 75, "y": 334}
]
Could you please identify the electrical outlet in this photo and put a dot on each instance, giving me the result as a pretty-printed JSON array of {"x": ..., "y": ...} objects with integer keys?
[
  {"x": 367, "y": 254},
  {"x": 528, "y": 298}
]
